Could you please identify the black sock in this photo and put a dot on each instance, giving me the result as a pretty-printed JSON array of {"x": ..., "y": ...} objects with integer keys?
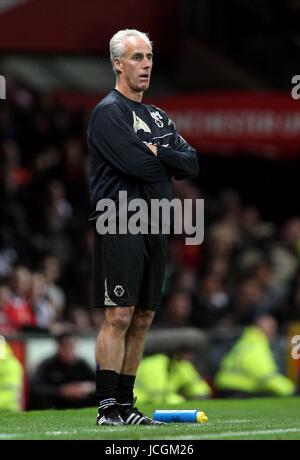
[
  {"x": 107, "y": 386},
  {"x": 126, "y": 384}
]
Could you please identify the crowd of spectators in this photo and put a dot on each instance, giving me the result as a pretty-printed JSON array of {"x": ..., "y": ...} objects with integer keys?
[{"x": 245, "y": 267}]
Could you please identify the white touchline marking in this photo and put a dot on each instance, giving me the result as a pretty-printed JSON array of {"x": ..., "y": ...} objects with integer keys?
[
  {"x": 220, "y": 435},
  {"x": 89, "y": 430},
  {"x": 249, "y": 420},
  {"x": 59, "y": 433},
  {"x": 228, "y": 434}
]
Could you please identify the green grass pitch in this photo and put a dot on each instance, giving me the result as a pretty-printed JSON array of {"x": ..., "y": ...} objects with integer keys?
[{"x": 267, "y": 418}]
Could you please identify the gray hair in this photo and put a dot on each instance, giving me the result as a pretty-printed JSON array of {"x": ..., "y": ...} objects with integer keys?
[{"x": 116, "y": 44}]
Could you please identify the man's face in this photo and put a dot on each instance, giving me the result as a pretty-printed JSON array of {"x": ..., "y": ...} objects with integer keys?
[
  {"x": 135, "y": 66},
  {"x": 67, "y": 350}
]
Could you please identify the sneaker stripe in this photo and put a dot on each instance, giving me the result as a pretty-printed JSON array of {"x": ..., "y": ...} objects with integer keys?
[
  {"x": 103, "y": 402},
  {"x": 107, "y": 403},
  {"x": 136, "y": 418},
  {"x": 141, "y": 420},
  {"x": 101, "y": 421},
  {"x": 109, "y": 416},
  {"x": 131, "y": 416}
]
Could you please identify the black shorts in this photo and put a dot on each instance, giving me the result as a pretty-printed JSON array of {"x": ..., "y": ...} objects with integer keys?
[{"x": 128, "y": 270}]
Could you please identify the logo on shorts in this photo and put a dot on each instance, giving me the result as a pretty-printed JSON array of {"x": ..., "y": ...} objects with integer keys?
[{"x": 119, "y": 291}]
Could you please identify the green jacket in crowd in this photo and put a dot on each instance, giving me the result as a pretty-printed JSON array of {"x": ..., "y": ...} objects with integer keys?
[
  {"x": 250, "y": 367},
  {"x": 11, "y": 379},
  {"x": 164, "y": 380}
]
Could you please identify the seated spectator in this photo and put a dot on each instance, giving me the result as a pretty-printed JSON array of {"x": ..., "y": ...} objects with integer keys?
[
  {"x": 211, "y": 302},
  {"x": 292, "y": 304},
  {"x": 246, "y": 300},
  {"x": 52, "y": 271},
  {"x": 253, "y": 230},
  {"x": 11, "y": 380},
  {"x": 6, "y": 327},
  {"x": 17, "y": 307},
  {"x": 81, "y": 319},
  {"x": 177, "y": 310},
  {"x": 97, "y": 318},
  {"x": 285, "y": 253},
  {"x": 176, "y": 380},
  {"x": 249, "y": 369},
  {"x": 182, "y": 280},
  {"x": 45, "y": 312},
  {"x": 63, "y": 380},
  {"x": 58, "y": 211}
]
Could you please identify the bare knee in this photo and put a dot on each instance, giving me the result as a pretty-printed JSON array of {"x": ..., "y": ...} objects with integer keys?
[
  {"x": 142, "y": 319},
  {"x": 118, "y": 318}
]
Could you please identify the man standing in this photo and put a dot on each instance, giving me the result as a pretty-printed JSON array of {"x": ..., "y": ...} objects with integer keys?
[{"x": 134, "y": 148}]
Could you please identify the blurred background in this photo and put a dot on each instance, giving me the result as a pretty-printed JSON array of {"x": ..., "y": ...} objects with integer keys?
[{"x": 222, "y": 71}]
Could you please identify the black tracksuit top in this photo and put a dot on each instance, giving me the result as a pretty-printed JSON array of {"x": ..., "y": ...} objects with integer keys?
[{"x": 118, "y": 131}]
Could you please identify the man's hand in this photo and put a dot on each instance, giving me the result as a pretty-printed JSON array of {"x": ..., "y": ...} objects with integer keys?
[{"x": 153, "y": 148}]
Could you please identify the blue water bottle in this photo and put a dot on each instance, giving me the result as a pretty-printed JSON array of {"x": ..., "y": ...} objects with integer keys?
[{"x": 180, "y": 416}]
